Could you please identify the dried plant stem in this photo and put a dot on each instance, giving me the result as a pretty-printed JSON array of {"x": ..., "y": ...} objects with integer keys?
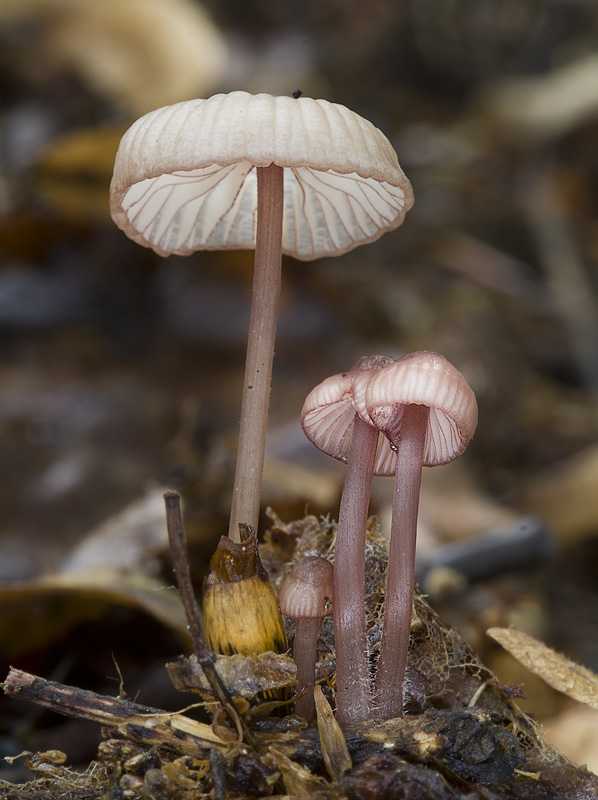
[
  {"x": 260, "y": 351},
  {"x": 148, "y": 726},
  {"x": 205, "y": 655}
]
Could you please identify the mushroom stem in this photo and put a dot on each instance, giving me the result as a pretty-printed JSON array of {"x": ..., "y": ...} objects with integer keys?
[
  {"x": 304, "y": 655},
  {"x": 260, "y": 351},
  {"x": 390, "y": 675},
  {"x": 353, "y": 690}
]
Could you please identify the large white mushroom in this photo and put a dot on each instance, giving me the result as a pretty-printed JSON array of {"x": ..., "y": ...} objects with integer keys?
[{"x": 301, "y": 176}]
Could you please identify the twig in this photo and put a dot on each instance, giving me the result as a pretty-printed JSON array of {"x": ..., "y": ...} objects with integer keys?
[
  {"x": 142, "y": 724},
  {"x": 205, "y": 655}
]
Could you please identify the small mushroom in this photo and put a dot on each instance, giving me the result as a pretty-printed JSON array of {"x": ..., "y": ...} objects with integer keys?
[
  {"x": 335, "y": 419},
  {"x": 306, "y": 596},
  {"x": 282, "y": 175},
  {"x": 428, "y": 412}
]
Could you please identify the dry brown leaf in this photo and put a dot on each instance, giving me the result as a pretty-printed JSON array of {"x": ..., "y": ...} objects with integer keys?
[
  {"x": 561, "y": 673},
  {"x": 244, "y": 676},
  {"x": 284, "y": 481},
  {"x": 116, "y": 563},
  {"x": 128, "y": 540},
  {"x": 332, "y": 740},
  {"x": 37, "y": 612}
]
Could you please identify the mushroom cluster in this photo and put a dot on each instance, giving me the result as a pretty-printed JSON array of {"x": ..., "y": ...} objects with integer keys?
[
  {"x": 427, "y": 414},
  {"x": 306, "y": 178}
]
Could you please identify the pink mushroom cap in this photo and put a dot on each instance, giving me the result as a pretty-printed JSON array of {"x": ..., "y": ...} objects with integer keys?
[
  {"x": 308, "y": 589},
  {"x": 425, "y": 378},
  {"x": 329, "y": 412}
]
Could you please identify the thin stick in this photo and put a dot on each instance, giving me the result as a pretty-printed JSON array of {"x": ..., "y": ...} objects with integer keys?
[
  {"x": 245, "y": 506},
  {"x": 205, "y": 655},
  {"x": 143, "y": 724}
]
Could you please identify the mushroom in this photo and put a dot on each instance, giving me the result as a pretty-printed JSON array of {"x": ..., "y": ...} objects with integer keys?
[
  {"x": 335, "y": 419},
  {"x": 306, "y": 596},
  {"x": 428, "y": 412},
  {"x": 301, "y": 176}
]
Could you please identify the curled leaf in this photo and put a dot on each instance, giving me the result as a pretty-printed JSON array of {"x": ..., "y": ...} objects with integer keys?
[
  {"x": 334, "y": 746},
  {"x": 243, "y": 676},
  {"x": 561, "y": 673}
]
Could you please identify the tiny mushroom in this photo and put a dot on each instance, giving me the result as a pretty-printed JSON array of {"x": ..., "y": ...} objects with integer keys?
[
  {"x": 428, "y": 412},
  {"x": 301, "y": 176},
  {"x": 306, "y": 596},
  {"x": 335, "y": 419}
]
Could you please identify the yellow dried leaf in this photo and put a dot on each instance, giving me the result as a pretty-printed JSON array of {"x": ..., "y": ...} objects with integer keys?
[
  {"x": 561, "y": 673},
  {"x": 298, "y": 780},
  {"x": 198, "y": 729},
  {"x": 334, "y": 746}
]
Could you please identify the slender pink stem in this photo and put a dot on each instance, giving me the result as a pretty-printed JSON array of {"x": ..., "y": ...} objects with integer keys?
[
  {"x": 390, "y": 675},
  {"x": 260, "y": 351},
  {"x": 304, "y": 655},
  {"x": 353, "y": 688}
]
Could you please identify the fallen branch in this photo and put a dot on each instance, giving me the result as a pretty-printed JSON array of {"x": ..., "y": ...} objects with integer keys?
[{"x": 141, "y": 724}]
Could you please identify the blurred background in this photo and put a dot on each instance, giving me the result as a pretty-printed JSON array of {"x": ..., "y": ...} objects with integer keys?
[{"x": 120, "y": 372}]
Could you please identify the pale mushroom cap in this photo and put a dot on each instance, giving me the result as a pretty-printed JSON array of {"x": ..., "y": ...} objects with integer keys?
[
  {"x": 307, "y": 591},
  {"x": 425, "y": 378},
  {"x": 329, "y": 412},
  {"x": 185, "y": 178}
]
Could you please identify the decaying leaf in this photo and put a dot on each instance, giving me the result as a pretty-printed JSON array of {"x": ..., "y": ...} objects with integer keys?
[
  {"x": 332, "y": 740},
  {"x": 160, "y": 51},
  {"x": 298, "y": 781},
  {"x": 244, "y": 676},
  {"x": 565, "y": 495},
  {"x": 37, "y": 612},
  {"x": 561, "y": 673},
  {"x": 114, "y": 564}
]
